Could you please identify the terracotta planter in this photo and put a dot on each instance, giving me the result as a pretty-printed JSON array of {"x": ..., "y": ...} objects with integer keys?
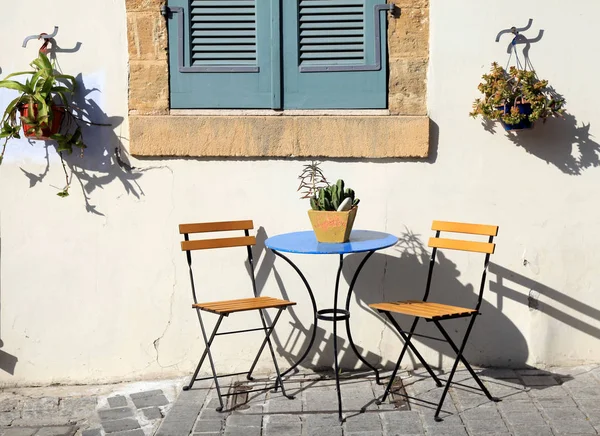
[
  {"x": 58, "y": 113},
  {"x": 331, "y": 226}
]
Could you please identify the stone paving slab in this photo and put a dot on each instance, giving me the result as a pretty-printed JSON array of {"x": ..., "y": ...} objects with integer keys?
[
  {"x": 538, "y": 402},
  {"x": 125, "y": 409}
]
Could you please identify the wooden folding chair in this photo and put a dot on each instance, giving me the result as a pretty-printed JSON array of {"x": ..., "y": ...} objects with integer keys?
[
  {"x": 227, "y": 307},
  {"x": 435, "y": 312}
]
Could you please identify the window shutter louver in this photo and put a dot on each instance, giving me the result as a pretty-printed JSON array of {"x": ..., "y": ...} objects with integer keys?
[
  {"x": 221, "y": 54},
  {"x": 331, "y": 32},
  {"x": 223, "y": 33},
  {"x": 335, "y": 54}
]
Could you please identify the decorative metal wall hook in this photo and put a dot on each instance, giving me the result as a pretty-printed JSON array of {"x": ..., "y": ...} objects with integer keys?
[
  {"x": 518, "y": 38},
  {"x": 514, "y": 30},
  {"x": 44, "y": 36}
]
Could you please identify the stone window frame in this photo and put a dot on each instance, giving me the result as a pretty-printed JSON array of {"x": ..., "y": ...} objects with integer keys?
[{"x": 401, "y": 131}]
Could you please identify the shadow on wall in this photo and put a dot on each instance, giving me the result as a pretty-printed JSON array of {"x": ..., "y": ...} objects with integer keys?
[
  {"x": 102, "y": 162},
  {"x": 292, "y": 347},
  {"x": 563, "y": 143},
  {"x": 7, "y": 361},
  {"x": 503, "y": 288},
  {"x": 495, "y": 340}
]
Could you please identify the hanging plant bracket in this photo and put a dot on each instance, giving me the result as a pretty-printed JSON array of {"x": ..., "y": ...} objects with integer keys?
[{"x": 44, "y": 36}]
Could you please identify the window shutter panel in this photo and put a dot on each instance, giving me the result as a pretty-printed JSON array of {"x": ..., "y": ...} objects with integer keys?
[
  {"x": 335, "y": 54},
  {"x": 220, "y": 54}
]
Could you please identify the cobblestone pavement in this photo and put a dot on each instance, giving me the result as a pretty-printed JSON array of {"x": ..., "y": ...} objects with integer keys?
[
  {"x": 534, "y": 403},
  {"x": 126, "y": 409}
]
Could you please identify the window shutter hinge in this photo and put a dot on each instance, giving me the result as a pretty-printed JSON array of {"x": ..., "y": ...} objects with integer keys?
[
  {"x": 394, "y": 10},
  {"x": 164, "y": 10}
]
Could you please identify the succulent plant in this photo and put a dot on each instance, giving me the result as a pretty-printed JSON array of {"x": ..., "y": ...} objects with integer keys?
[
  {"x": 311, "y": 180},
  {"x": 323, "y": 195},
  {"x": 331, "y": 197},
  {"x": 503, "y": 90}
]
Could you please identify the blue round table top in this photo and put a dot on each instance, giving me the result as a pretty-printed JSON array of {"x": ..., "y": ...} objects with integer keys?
[{"x": 306, "y": 243}]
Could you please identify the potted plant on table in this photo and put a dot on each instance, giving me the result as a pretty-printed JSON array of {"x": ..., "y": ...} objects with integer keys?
[
  {"x": 43, "y": 109},
  {"x": 333, "y": 207},
  {"x": 516, "y": 98}
]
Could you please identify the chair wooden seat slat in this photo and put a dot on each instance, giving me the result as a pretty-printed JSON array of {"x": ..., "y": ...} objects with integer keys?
[
  {"x": 232, "y": 306},
  {"x": 423, "y": 309}
]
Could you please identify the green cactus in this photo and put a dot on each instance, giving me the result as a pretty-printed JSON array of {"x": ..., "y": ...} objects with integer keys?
[{"x": 330, "y": 197}]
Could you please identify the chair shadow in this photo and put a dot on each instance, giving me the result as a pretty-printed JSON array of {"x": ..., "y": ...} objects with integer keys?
[
  {"x": 401, "y": 274},
  {"x": 405, "y": 279}
]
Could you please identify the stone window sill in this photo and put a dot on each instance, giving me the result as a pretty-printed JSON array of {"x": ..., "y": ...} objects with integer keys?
[{"x": 372, "y": 135}]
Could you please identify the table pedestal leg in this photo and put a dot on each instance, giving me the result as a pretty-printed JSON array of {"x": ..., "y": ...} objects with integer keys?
[
  {"x": 314, "y": 305},
  {"x": 335, "y": 315},
  {"x": 348, "y": 332},
  {"x": 335, "y": 338}
]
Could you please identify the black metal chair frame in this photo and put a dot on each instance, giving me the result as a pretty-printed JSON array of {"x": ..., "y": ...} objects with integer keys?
[
  {"x": 407, "y": 337},
  {"x": 208, "y": 340}
]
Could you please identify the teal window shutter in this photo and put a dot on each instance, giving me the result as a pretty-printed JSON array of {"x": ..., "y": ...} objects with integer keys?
[
  {"x": 221, "y": 54},
  {"x": 335, "y": 54}
]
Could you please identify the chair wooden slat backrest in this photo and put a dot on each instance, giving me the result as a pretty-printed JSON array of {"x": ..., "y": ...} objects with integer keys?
[
  {"x": 486, "y": 248},
  {"x": 461, "y": 244},
  {"x": 223, "y": 226},
  {"x": 246, "y": 241},
  {"x": 473, "y": 229}
]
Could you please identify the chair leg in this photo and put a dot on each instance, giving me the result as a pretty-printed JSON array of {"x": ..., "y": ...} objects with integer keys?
[
  {"x": 455, "y": 365},
  {"x": 212, "y": 363},
  {"x": 468, "y": 366},
  {"x": 260, "y": 350},
  {"x": 407, "y": 344},
  {"x": 204, "y": 354},
  {"x": 413, "y": 348},
  {"x": 278, "y": 380},
  {"x": 394, "y": 372}
]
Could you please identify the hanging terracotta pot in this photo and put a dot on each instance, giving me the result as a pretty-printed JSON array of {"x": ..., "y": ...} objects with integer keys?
[{"x": 58, "y": 114}]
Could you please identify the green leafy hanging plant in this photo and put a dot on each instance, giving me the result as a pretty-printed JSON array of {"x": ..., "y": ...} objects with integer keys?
[{"x": 43, "y": 110}]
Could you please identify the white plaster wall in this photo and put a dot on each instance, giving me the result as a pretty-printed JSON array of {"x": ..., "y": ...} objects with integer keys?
[{"x": 99, "y": 291}]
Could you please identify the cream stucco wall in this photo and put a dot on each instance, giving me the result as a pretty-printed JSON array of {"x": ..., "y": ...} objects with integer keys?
[{"x": 97, "y": 289}]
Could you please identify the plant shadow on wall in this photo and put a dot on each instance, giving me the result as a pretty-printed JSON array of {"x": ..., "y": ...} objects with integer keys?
[
  {"x": 562, "y": 142},
  {"x": 62, "y": 110},
  {"x": 104, "y": 160}
]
